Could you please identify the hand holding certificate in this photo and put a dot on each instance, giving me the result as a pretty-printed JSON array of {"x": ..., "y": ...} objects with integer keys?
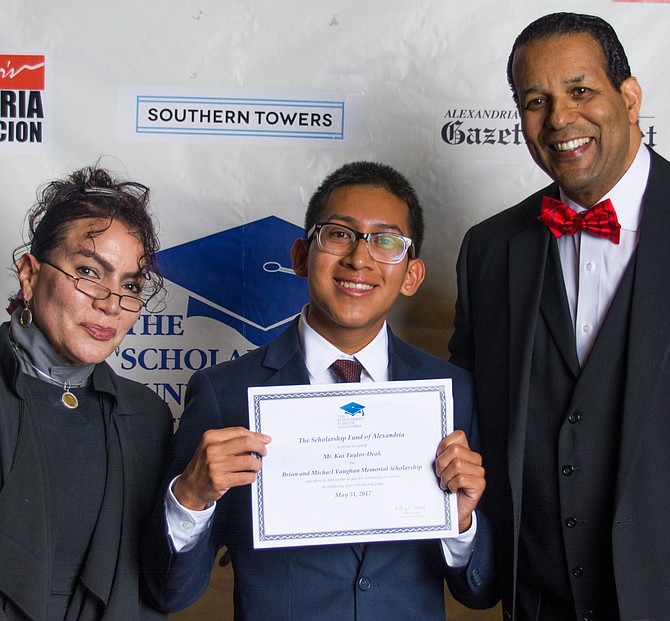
[
  {"x": 351, "y": 463},
  {"x": 224, "y": 458}
]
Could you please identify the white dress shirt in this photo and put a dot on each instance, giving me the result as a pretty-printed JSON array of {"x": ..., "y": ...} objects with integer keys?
[
  {"x": 593, "y": 266},
  {"x": 186, "y": 527}
]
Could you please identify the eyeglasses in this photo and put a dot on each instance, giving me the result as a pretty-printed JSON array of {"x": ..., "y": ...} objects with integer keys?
[
  {"x": 100, "y": 292},
  {"x": 341, "y": 240}
]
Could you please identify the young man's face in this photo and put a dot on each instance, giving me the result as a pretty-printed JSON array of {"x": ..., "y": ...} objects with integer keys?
[
  {"x": 351, "y": 295},
  {"x": 579, "y": 129}
]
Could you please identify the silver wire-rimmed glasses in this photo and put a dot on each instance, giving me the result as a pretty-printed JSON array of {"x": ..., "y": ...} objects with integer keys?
[{"x": 100, "y": 292}]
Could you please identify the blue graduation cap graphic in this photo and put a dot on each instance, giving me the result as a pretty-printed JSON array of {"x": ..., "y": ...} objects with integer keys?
[
  {"x": 353, "y": 408},
  {"x": 241, "y": 277}
]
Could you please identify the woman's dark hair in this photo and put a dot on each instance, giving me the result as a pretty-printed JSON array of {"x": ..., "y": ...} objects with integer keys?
[{"x": 93, "y": 192}]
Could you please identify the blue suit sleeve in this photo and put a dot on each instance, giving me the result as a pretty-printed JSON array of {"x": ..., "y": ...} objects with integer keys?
[{"x": 172, "y": 581}]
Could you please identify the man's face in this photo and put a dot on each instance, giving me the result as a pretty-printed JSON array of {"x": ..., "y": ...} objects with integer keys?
[
  {"x": 351, "y": 295},
  {"x": 578, "y": 128}
]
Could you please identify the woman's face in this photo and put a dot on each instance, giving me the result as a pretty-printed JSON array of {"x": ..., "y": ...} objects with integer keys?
[{"x": 81, "y": 329}]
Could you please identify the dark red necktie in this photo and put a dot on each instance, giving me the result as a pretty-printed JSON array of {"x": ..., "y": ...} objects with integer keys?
[
  {"x": 600, "y": 220},
  {"x": 347, "y": 370}
]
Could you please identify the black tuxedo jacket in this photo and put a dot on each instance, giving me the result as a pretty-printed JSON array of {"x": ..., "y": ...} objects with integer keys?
[
  {"x": 500, "y": 274},
  {"x": 390, "y": 580}
]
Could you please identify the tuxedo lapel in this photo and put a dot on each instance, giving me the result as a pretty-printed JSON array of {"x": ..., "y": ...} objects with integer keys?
[
  {"x": 649, "y": 335},
  {"x": 556, "y": 309},
  {"x": 527, "y": 257}
]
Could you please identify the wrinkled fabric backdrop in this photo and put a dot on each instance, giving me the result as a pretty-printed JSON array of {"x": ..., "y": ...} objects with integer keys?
[{"x": 233, "y": 112}]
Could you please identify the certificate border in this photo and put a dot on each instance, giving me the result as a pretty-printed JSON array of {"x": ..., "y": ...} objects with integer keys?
[{"x": 258, "y": 399}]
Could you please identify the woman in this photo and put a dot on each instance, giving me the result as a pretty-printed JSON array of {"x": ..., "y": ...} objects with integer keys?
[{"x": 81, "y": 449}]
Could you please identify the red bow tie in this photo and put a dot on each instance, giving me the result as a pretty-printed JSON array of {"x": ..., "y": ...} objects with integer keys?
[{"x": 600, "y": 220}]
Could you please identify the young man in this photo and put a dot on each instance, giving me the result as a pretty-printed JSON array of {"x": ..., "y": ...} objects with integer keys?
[
  {"x": 563, "y": 317},
  {"x": 363, "y": 233}
]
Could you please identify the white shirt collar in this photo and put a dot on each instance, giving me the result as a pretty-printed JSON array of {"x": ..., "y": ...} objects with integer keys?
[
  {"x": 628, "y": 193},
  {"x": 320, "y": 354}
]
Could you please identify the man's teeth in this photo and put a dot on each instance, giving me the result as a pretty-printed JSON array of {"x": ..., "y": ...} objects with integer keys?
[
  {"x": 354, "y": 285},
  {"x": 572, "y": 144}
]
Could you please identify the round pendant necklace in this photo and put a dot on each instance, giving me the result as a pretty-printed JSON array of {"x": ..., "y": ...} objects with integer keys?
[{"x": 68, "y": 399}]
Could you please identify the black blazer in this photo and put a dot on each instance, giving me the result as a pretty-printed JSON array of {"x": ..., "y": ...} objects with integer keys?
[
  {"x": 138, "y": 432},
  {"x": 405, "y": 580},
  {"x": 500, "y": 271}
]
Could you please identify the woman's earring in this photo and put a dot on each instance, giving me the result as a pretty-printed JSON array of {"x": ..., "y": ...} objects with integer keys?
[
  {"x": 26, "y": 317},
  {"x": 117, "y": 350}
]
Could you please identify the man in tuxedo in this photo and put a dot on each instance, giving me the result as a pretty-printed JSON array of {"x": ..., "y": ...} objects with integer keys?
[
  {"x": 363, "y": 234},
  {"x": 562, "y": 316}
]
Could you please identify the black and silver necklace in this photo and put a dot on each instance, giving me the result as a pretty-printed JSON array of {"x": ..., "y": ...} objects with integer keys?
[
  {"x": 34, "y": 353},
  {"x": 68, "y": 399}
]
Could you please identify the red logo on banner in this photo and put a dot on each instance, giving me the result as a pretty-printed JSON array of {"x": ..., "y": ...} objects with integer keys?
[{"x": 21, "y": 72}]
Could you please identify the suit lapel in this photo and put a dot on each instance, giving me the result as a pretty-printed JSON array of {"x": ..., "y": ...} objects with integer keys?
[
  {"x": 527, "y": 257},
  {"x": 109, "y": 535},
  {"x": 284, "y": 355},
  {"x": 25, "y": 520},
  {"x": 98, "y": 573},
  {"x": 649, "y": 335},
  {"x": 401, "y": 367},
  {"x": 556, "y": 309}
]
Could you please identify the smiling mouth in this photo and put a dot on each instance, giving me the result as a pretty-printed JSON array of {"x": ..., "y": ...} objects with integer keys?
[
  {"x": 570, "y": 145},
  {"x": 358, "y": 286}
]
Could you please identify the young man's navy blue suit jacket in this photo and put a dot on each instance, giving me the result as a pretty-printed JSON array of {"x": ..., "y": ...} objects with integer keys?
[{"x": 389, "y": 580}]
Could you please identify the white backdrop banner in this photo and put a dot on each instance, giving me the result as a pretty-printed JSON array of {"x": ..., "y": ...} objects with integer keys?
[{"x": 233, "y": 112}]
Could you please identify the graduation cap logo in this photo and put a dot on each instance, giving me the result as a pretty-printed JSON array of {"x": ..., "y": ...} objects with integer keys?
[
  {"x": 353, "y": 408},
  {"x": 241, "y": 277}
]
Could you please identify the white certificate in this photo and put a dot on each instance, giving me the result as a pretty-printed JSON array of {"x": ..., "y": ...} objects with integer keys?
[{"x": 351, "y": 463}]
